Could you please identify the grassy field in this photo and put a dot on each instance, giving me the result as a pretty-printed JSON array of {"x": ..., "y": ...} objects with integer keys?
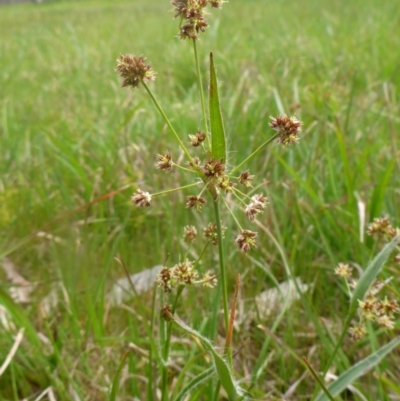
[{"x": 70, "y": 135}]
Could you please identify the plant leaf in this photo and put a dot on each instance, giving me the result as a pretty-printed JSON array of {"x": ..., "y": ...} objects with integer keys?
[
  {"x": 218, "y": 140},
  {"x": 369, "y": 275},
  {"x": 114, "y": 388},
  {"x": 194, "y": 383},
  {"x": 233, "y": 390},
  {"x": 359, "y": 369}
]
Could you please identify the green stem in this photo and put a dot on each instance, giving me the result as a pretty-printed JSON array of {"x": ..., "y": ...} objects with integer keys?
[
  {"x": 203, "y": 103},
  {"x": 181, "y": 144},
  {"x": 222, "y": 264},
  {"x": 261, "y": 147},
  {"x": 166, "y": 347},
  {"x": 167, "y": 191}
]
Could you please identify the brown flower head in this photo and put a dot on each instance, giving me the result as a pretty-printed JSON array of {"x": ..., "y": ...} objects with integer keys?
[
  {"x": 164, "y": 162},
  {"x": 192, "y": 11},
  {"x": 184, "y": 273},
  {"x": 343, "y": 270},
  {"x": 190, "y": 233},
  {"x": 287, "y": 127},
  {"x": 216, "y": 3},
  {"x": 246, "y": 240},
  {"x": 380, "y": 226},
  {"x": 197, "y": 139},
  {"x": 256, "y": 206},
  {"x": 164, "y": 279},
  {"x": 195, "y": 165},
  {"x": 166, "y": 313},
  {"x": 141, "y": 198},
  {"x": 211, "y": 233},
  {"x": 358, "y": 332},
  {"x": 225, "y": 184},
  {"x": 209, "y": 280},
  {"x": 133, "y": 70},
  {"x": 245, "y": 179},
  {"x": 213, "y": 168},
  {"x": 196, "y": 202}
]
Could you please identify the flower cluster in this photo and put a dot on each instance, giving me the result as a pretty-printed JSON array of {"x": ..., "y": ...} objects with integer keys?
[
  {"x": 382, "y": 228},
  {"x": 191, "y": 13},
  {"x": 371, "y": 308},
  {"x": 256, "y": 206},
  {"x": 287, "y": 127},
  {"x": 133, "y": 70},
  {"x": 184, "y": 273}
]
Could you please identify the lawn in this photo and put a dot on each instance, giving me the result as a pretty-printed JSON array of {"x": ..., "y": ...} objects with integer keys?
[{"x": 75, "y": 146}]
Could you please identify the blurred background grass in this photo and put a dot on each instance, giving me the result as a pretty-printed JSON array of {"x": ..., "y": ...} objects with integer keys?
[{"x": 69, "y": 134}]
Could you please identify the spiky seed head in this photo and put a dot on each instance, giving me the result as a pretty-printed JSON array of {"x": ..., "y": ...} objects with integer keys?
[
  {"x": 164, "y": 161},
  {"x": 133, "y": 70},
  {"x": 246, "y": 240},
  {"x": 287, "y": 127},
  {"x": 141, "y": 198},
  {"x": 196, "y": 202}
]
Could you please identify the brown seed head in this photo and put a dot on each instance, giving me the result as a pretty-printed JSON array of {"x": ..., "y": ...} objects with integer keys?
[
  {"x": 164, "y": 279},
  {"x": 245, "y": 179},
  {"x": 166, "y": 313},
  {"x": 213, "y": 168},
  {"x": 164, "y": 162},
  {"x": 256, "y": 206},
  {"x": 358, "y": 332},
  {"x": 133, "y": 70},
  {"x": 209, "y": 280},
  {"x": 196, "y": 202},
  {"x": 343, "y": 270},
  {"x": 184, "y": 273},
  {"x": 211, "y": 233},
  {"x": 287, "y": 127},
  {"x": 190, "y": 233},
  {"x": 197, "y": 139},
  {"x": 380, "y": 227},
  {"x": 141, "y": 198},
  {"x": 224, "y": 184},
  {"x": 246, "y": 240}
]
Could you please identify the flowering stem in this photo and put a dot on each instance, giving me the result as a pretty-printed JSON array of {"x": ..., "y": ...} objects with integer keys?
[
  {"x": 167, "y": 191},
  {"x": 166, "y": 348},
  {"x": 181, "y": 144},
  {"x": 254, "y": 153},
  {"x": 222, "y": 264},
  {"x": 233, "y": 215},
  {"x": 203, "y": 103}
]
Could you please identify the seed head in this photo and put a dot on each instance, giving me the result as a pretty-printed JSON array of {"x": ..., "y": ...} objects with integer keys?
[
  {"x": 380, "y": 226},
  {"x": 225, "y": 184},
  {"x": 164, "y": 279},
  {"x": 166, "y": 313},
  {"x": 197, "y": 139},
  {"x": 246, "y": 240},
  {"x": 209, "y": 280},
  {"x": 196, "y": 202},
  {"x": 164, "y": 162},
  {"x": 287, "y": 127},
  {"x": 213, "y": 168},
  {"x": 190, "y": 233},
  {"x": 343, "y": 270},
  {"x": 133, "y": 70},
  {"x": 358, "y": 332},
  {"x": 211, "y": 233},
  {"x": 256, "y": 206},
  {"x": 141, "y": 198},
  {"x": 245, "y": 179},
  {"x": 184, "y": 273}
]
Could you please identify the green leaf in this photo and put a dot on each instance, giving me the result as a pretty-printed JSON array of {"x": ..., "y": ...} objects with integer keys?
[
  {"x": 369, "y": 275},
  {"x": 232, "y": 388},
  {"x": 218, "y": 140},
  {"x": 114, "y": 388},
  {"x": 202, "y": 377},
  {"x": 359, "y": 369}
]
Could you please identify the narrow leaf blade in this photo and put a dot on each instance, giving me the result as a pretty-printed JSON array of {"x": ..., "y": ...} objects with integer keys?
[
  {"x": 218, "y": 140},
  {"x": 359, "y": 369}
]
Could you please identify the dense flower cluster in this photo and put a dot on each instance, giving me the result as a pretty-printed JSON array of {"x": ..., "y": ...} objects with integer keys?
[{"x": 184, "y": 273}]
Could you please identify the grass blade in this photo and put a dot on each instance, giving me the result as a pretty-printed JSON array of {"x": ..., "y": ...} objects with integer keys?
[
  {"x": 358, "y": 370},
  {"x": 369, "y": 275},
  {"x": 218, "y": 141},
  {"x": 114, "y": 387},
  {"x": 202, "y": 377}
]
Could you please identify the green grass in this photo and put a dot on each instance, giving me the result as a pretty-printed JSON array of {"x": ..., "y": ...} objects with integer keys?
[{"x": 69, "y": 134}]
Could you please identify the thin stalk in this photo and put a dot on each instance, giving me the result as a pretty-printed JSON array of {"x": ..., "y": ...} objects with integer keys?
[
  {"x": 222, "y": 264},
  {"x": 203, "y": 103},
  {"x": 166, "y": 348},
  {"x": 167, "y": 191},
  {"x": 181, "y": 144},
  {"x": 261, "y": 147}
]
